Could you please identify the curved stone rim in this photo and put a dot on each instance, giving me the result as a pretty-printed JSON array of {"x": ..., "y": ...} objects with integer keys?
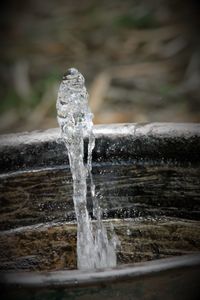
[
  {"x": 76, "y": 278},
  {"x": 114, "y": 142}
]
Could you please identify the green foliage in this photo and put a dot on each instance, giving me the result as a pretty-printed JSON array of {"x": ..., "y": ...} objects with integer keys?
[
  {"x": 11, "y": 99},
  {"x": 131, "y": 20},
  {"x": 166, "y": 89}
]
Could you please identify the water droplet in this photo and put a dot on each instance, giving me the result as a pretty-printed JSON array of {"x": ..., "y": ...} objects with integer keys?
[{"x": 128, "y": 232}]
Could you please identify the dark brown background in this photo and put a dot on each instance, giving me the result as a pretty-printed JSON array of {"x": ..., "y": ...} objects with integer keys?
[{"x": 141, "y": 59}]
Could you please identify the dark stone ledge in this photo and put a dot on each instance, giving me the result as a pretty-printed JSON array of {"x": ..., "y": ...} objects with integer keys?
[{"x": 115, "y": 142}]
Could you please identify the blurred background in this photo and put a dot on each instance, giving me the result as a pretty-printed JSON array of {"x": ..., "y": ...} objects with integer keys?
[{"x": 141, "y": 59}]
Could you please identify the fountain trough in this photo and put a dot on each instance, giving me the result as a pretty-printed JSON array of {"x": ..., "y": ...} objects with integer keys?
[{"x": 147, "y": 179}]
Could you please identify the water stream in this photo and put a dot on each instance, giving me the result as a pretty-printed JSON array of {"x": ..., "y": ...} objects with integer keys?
[{"x": 94, "y": 248}]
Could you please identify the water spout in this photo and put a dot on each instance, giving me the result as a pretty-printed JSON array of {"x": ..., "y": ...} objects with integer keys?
[{"x": 94, "y": 249}]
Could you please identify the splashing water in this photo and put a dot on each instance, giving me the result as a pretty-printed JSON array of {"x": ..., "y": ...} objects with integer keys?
[{"x": 94, "y": 249}]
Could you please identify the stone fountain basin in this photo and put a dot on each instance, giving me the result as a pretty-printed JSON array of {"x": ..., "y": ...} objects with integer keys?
[{"x": 147, "y": 179}]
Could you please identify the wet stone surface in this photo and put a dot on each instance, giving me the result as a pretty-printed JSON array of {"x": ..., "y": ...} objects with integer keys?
[
  {"x": 149, "y": 190},
  {"x": 53, "y": 246},
  {"x": 123, "y": 191},
  {"x": 154, "y": 210}
]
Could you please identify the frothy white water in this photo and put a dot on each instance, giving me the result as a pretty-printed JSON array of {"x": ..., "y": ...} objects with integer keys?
[{"x": 94, "y": 249}]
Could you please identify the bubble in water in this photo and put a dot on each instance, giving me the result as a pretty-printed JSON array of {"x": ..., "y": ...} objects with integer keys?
[{"x": 128, "y": 232}]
